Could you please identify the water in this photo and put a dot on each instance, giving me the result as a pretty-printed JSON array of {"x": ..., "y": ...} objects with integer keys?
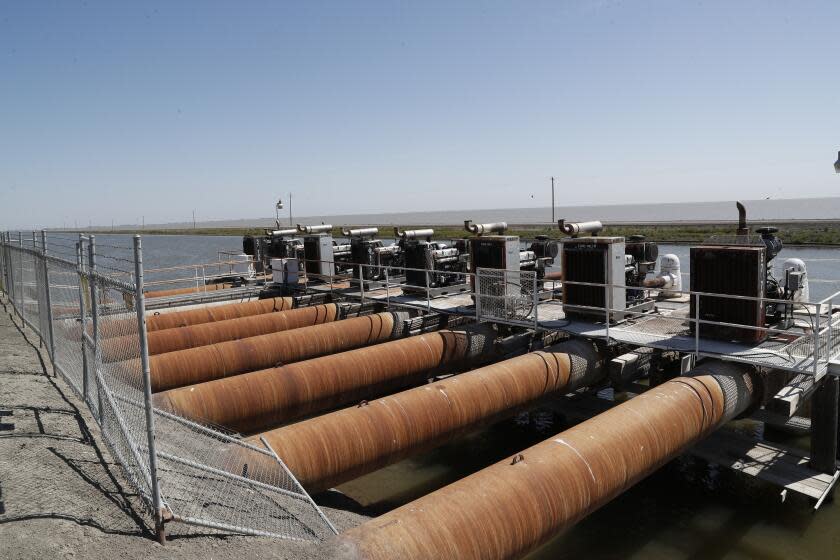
[
  {"x": 686, "y": 510},
  {"x": 782, "y": 209},
  {"x": 115, "y": 255},
  {"x": 164, "y": 251}
]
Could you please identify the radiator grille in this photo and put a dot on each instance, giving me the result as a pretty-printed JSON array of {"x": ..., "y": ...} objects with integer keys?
[
  {"x": 737, "y": 271},
  {"x": 584, "y": 263}
]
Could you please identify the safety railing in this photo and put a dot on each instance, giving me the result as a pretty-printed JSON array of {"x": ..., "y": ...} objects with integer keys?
[
  {"x": 182, "y": 471},
  {"x": 395, "y": 284},
  {"x": 807, "y": 344}
]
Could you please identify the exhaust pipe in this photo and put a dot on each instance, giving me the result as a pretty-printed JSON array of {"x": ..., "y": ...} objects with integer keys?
[
  {"x": 742, "y": 219},
  {"x": 481, "y": 229},
  {"x": 322, "y": 228},
  {"x": 413, "y": 233}
]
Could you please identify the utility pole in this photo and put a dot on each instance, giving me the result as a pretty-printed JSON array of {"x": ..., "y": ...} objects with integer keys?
[
  {"x": 143, "y": 223},
  {"x": 552, "y": 200},
  {"x": 193, "y": 218},
  {"x": 291, "y": 223}
]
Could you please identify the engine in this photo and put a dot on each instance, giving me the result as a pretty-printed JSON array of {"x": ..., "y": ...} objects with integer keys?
[
  {"x": 319, "y": 251},
  {"x": 430, "y": 264},
  {"x": 600, "y": 272},
  {"x": 640, "y": 262},
  {"x": 741, "y": 265},
  {"x": 370, "y": 252},
  {"x": 275, "y": 244}
]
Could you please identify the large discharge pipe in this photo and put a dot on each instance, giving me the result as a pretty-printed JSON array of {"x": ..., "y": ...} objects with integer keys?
[
  {"x": 204, "y": 334},
  {"x": 206, "y": 363},
  {"x": 334, "y": 448},
  {"x": 157, "y": 322},
  {"x": 512, "y": 507},
  {"x": 190, "y": 290},
  {"x": 265, "y": 399}
]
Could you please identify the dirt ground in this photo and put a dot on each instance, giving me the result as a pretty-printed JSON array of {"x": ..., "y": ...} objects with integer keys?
[{"x": 62, "y": 495}]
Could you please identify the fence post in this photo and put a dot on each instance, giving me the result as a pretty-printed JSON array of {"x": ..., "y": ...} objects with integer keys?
[
  {"x": 7, "y": 255},
  {"x": 82, "y": 315},
  {"x": 94, "y": 313},
  {"x": 5, "y": 267},
  {"x": 387, "y": 288},
  {"x": 608, "y": 303},
  {"x": 20, "y": 291},
  {"x": 4, "y": 263},
  {"x": 830, "y": 334},
  {"x": 536, "y": 303},
  {"x": 140, "y": 303},
  {"x": 12, "y": 274},
  {"x": 476, "y": 282},
  {"x": 361, "y": 282},
  {"x": 818, "y": 319},
  {"x": 428, "y": 292},
  {"x": 48, "y": 296},
  {"x": 696, "y": 327}
]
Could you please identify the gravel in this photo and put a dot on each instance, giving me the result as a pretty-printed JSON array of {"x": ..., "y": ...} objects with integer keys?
[{"x": 63, "y": 496}]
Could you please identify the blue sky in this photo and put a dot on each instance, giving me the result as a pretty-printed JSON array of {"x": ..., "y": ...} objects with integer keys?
[{"x": 117, "y": 110}]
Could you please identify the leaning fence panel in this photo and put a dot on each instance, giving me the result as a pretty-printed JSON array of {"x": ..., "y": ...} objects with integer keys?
[
  {"x": 120, "y": 379},
  {"x": 90, "y": 320}
]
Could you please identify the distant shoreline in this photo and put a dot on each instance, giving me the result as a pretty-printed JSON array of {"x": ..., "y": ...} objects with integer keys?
[{"x": 801, "y": 233}]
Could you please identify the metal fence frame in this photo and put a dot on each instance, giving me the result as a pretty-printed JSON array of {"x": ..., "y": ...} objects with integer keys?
[
  {"x": 819, "y": 347},
  {"x": 67, "y": 304}
]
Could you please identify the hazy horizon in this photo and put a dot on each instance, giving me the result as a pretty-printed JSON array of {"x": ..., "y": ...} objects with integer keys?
[{"x": 757, "y": 210}]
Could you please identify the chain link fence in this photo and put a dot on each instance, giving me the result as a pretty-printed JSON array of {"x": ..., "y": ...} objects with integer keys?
[{"x": 183, "y": 471}]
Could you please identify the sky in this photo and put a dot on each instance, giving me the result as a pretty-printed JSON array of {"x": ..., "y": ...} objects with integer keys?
[{"x": 131, "y": 111}]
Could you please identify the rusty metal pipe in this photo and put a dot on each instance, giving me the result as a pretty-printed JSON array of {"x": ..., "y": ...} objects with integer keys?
[
  {"x": 190, "y": 290},
  {"x": 175, "y": 319},
  {"x": 334, "y": 448},
  {"x": 512, "y": 507},
  {"x": 204, "y": 334},
  {"x": 264, "y": 399},
  {"x": 224, "y": 359}
]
